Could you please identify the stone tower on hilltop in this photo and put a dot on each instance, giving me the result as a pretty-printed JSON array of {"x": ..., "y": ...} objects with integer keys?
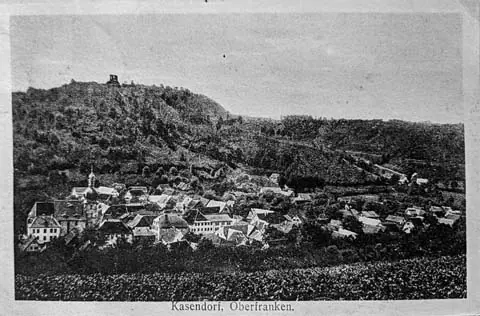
[{"x": 113, "y": 80}]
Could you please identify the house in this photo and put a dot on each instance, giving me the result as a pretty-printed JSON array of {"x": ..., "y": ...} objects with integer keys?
[
  {"x": 277, "y": 190},
  {"x": 285, "y": 226},
  {"x": 255, "y": 212},
  {"x": 161, "y": 200},
  {"x": 168, "y": 227},
  {"x": 370, "y": 214},
  {"x": 182, "y": 204},
  {"x": 296, "y": 221},
  {"x": 143, "y": 233},
  {"x": 114, "y": 229},
  {"x": 439, "y": 210},
  {"x": 141, "y": 221},
  {"x": 274, "y": 177},
  {"x": 414, "y": 211},
  {"x": 72, "y": 237},
  {"x": 416, "y": 179},
  {"x": 397, "y": 220},
  {"x": 371, "y": 225},
  {"x": 31, "y": 245},
  {"x": 70, "y": 214},
  {"x": 234, "y": 235},
  {"x": 115, "y": 211},
  {"x": 106, "y": 193},
  {"x": 45, "y": 228},
  {"x": 344, "y": 233},
  {"x": 258, "y": 218},
  {"x": 302, "y": 198},
  {"x": 164, "y": 188},
  {"x": 408, "y": 227},
  {"x": 335, "y": 224},
  {"x": 136, "y": 193},
  {"x": 182, "y": 186},
  {"x": 447, "y": 221},
  {"x": 223, "y": 207},
  {"x": 201, "y": 223},
  {"x": 78, "y": 192}
]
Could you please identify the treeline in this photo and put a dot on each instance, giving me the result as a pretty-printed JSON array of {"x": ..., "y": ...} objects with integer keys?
[{"x": 422, "y": 141}]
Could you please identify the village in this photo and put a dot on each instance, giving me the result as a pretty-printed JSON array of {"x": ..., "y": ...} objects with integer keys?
[{"x": 173, "y": 212}]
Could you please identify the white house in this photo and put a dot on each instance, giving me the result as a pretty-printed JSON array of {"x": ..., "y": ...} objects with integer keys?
[
  {"x": 204, "y": 224},
  {"x": 45, "y": 228}
]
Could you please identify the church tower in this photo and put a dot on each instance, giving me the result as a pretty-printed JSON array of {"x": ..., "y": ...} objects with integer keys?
[{"x": 91, "y": 179}]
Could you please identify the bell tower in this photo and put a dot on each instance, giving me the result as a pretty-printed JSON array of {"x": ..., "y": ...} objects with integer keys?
[{"x": 91, "y": 179}]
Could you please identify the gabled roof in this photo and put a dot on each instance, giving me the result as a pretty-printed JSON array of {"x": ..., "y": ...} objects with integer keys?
[
  {"x": 141, "y": 221},
  {"x": 79, "y": 190},
  {"x": 42, "y": 208},
  {"x": 395, "y": 219},
  {"x": 259, "y": 211},
  {"x": 452, "y": 216},
  {"x": 161, "y": 200},
  {"x": 370, "y": 214},
  {"x": 44, "y": 222},
  {"x": 371, "y": 229},
  {"x": 303, "y": 197},
  {"x": 166, "y": 221},
  {"x": 210, "y": 210},
  {"x": 106, "y": 191},
  {"x": 369, "y": 221},
  {"x": 114, "y": 226},
  {"x": 71, "y": 235},
  {"x": 276, "y": 190},
  {"x": 446, "y": 221},
  {"x": 137, "y": 191},
  {"x": 335, "y": 223},
  {"x": 30, "y": 240},
  {"x": 343, "y": 233},
  {"x": 221, "y": 205},
  {"x": 194, "y": 216},
  {"x": 69, "y": 209},
  {"x": 138, "y": 188},
  {"x": 218, "y": 217},
  {"x": 171, "y": 236},
  {"x": 437, "y": 209},
  {"x": 116, "y": 211}
]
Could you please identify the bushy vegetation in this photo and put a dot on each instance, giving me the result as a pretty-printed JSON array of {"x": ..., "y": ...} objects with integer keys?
[{"x": 421, "y": 278}]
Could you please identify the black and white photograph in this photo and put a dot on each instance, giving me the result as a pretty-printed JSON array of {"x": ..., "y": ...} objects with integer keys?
[{"x": 240, "y": 161}]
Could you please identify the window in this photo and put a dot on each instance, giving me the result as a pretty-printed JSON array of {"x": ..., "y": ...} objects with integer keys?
[
  {"x": 44, "y": 230},
  {"x": 51, "y": 230},
  {"x": 76, "y": 223},
  {"x": 44, "y": 237}
]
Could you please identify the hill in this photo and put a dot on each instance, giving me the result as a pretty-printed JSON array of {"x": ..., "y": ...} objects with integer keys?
[{"x": 121, "y": 129}]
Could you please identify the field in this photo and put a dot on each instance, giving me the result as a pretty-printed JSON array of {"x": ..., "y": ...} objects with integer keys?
[{"x": 420, "y": 278}]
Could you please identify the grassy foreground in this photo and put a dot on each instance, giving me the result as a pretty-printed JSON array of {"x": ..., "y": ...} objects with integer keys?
[{"x": 419, "y": 278}]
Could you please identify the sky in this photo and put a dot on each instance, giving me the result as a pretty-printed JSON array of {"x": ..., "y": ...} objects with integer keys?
[{"x": 340, "y": 65}]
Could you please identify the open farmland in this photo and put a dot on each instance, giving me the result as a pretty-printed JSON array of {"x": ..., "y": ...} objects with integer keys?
[{"x": 420, "y": 278}]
